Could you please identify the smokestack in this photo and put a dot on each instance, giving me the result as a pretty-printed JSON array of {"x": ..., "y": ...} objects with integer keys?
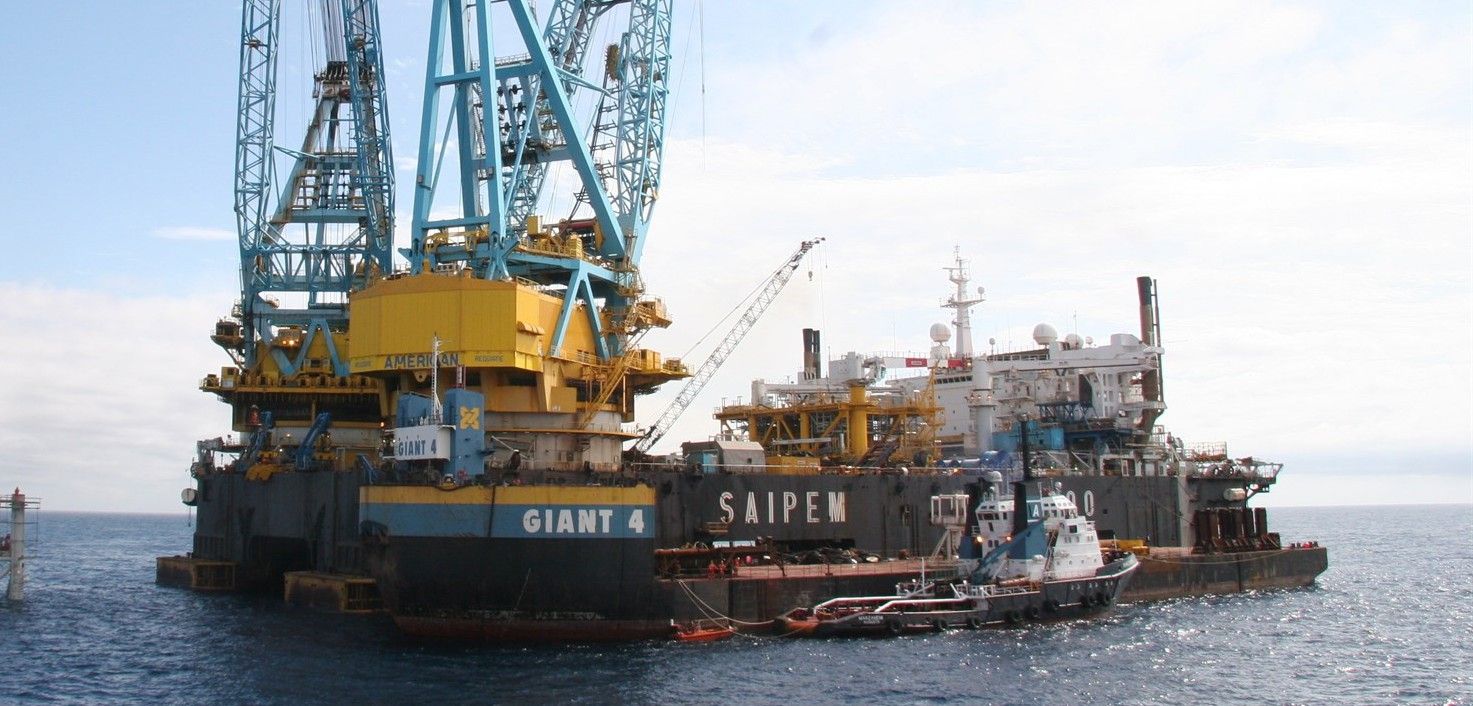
[
  {"x": 1151, "y": 388},
  {"x": 1150, "y": 330},
  {"x": 982, "y": 409},
  {"x": 812, "y": 368}
]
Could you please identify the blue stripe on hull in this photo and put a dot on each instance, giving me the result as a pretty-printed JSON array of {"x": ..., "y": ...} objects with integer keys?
[{"x": 514, "y": 521}]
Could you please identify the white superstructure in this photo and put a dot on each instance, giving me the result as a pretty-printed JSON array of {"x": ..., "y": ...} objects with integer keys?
[
  {"x": 1065, "y": 380},
  {"x": 1090, "y": 408},
  {"x": 1073, "y": 543}
]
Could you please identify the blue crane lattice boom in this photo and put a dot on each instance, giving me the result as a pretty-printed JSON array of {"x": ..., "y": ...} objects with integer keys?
[
  {"x": 507, "y": 119},
  {"x": 330, "y": 228}
]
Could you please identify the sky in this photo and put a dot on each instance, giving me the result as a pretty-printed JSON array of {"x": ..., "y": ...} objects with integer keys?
[{"x": 1298, "y": 177}]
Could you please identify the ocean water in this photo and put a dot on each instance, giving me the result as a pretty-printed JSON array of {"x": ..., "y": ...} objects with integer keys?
[{"x": 1390, "y": 622}]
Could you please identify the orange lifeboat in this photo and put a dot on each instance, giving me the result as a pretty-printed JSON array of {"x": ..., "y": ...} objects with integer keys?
[{"x": 702, "y": 631}]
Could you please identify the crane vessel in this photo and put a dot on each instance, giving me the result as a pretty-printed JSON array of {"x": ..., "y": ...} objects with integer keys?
[{"x": 443, "y": 435}]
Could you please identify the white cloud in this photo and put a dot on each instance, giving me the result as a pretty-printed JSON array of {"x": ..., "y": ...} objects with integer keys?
[
  {"x": 193, "y": 233},
  {"x": 1053, "y": 85},
  {"x": 1411, "y": 488},
  {"x": 1297, "y": 181},
  {"x": 100, "y": 407},
  {"x": 1297, "y": 299}
]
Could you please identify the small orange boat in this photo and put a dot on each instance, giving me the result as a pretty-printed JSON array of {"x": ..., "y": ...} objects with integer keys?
[
  {"x": 798, "y": 622},
  {"x": 702, "y": 631}
]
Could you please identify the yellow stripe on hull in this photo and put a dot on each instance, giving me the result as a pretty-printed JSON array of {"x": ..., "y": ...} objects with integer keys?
[{"x": 506, "y": 495}]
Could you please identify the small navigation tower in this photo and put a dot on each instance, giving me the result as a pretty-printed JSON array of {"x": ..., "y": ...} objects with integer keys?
[{"x": 13, "y": 544}]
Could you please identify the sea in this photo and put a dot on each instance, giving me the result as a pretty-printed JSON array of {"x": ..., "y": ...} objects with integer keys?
[{"x": 1390, "y": 622}]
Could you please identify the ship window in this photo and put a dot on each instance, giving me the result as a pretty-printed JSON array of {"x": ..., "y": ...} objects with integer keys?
[{"x": 1074, "y": 529}]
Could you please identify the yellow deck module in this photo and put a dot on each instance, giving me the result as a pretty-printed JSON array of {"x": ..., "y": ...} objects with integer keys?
[
  {"x": 794, "y": 465},
  {"x": 851, "y": 428},
  {"x": 520, "y": 495},
  {"x": 559, "y": 405},
  {"x": 480, "y": 324}
]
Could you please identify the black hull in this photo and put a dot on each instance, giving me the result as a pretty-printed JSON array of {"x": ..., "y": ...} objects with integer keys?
[
  {"x": 1231, "y": 572},
  {"x": 489, "y": 588},
  {"x": 292, "y": 522},
  {"x": 503, "y": 580}
]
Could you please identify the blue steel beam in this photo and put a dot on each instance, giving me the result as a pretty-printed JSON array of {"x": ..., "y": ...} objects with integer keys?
[
  {"x": 579, "y": 290},
  {"x": 538, "y": 81},
  {"x": 312, "y": 327},
  {"x": 644, "y": 71},
  {"x": 374, "y": 177},
  {"x": 259, "y": 26},
  {"x": 331, "y": 225},
  {"x": 569, "y": 28},
  {"x": 464, "y": 79},
  {"x": 557, "y": 101},
  {"x": 508, "y": 120}
]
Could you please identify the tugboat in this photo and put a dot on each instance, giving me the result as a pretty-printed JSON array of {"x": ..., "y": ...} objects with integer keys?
[
  {"x": 1045, "y": 553},
  {"x": 1042, "y": 561}
]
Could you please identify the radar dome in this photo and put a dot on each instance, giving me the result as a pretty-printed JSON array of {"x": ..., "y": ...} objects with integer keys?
[
  {"x": 940, "y": 333},
  {"x": 1044, "y": 335},
  {"x": 1073, "y": 340}
]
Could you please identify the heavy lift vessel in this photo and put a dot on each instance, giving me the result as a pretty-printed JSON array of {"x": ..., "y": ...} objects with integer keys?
[{"x": 448, "y": 436}]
